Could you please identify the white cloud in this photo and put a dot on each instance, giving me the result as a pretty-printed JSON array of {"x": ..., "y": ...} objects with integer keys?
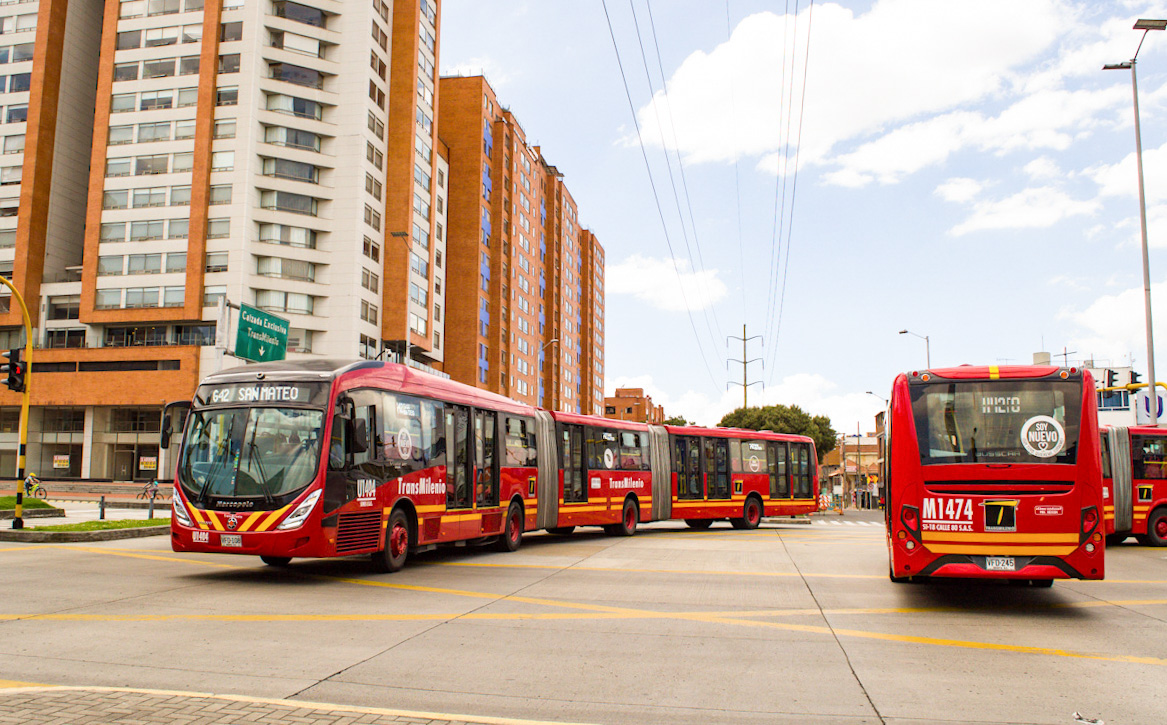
[
  {"x": 1043, "y": 168},
  {"x": 1029, "y": 209},
  {"x": 495, "y": 73},
  {"x": 959, "y": 189},
  {"x": 663, "y": 285},
  {"x": 1115, "y": 325},
  {"x": 901, "y": 59}
]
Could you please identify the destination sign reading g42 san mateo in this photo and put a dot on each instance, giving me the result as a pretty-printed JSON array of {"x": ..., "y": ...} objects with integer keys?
[{"x": 262, "y": 336}]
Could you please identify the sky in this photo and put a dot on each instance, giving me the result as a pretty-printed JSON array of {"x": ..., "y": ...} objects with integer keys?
[{"x": 829, "y": 174}]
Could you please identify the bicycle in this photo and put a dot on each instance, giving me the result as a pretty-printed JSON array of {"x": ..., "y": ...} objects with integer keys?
[
  {"x": 33, "y": 487},
  {"x": 151, "y": 490}
]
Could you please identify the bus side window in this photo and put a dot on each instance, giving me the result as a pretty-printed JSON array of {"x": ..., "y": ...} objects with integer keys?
[{"x": 365, "y": 404}]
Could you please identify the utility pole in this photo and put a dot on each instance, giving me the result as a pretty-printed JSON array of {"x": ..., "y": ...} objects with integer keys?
[{"x": 745, "y": 362}]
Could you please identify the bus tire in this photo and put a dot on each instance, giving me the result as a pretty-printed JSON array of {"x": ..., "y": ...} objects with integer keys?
[
  {"x": 699, "y": 524},
  {"x": 276, "y": 561},
  {"x": 392, "y": 557},
  {"x": 751, "y": 514},
  {"x": 897, "y": 579},
  {"x": 512, "y": 533},
  {"x": 1116, "y": 539},
  {"x": 629, "y": 516},
  {"x": 1157, "y": 527},
  {"x": 561, "y": 530}
]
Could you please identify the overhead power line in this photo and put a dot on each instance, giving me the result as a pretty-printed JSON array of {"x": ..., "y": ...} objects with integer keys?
[{"x": 656, "y": 196}]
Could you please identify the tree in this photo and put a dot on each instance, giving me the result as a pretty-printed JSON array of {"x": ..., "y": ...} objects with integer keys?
[
  {"x": 677, "y": 420},
  {"x": 785, "y": 419}
]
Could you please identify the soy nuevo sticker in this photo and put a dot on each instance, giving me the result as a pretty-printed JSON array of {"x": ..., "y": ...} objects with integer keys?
[{"x": 1043, "y": 437}]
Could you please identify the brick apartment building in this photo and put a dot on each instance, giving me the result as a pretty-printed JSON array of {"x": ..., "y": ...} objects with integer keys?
[
  {"x": 531, "y": 328},
  {"x": 633, "y": 404},
  {"x": 163, "y": 155}
]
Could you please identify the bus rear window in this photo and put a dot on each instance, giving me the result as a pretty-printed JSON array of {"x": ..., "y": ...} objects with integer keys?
[{"x": 1007, "y": 421}]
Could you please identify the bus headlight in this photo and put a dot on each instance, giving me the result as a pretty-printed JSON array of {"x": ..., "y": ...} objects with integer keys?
[
  {"x": 301, "y": 512},
  {"x": 179, "y": 511}
]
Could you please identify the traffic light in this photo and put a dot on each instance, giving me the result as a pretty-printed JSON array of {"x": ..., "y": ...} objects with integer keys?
[
  {"x": 1134, "y": 377},
  {"x": 15, "y": 368},
  {"x": 1111, "y": 378}
]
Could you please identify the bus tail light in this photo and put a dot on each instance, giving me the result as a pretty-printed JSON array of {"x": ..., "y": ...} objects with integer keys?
[
  {"x": 910, "y": 518},
  {"x": 1089, "y": 523},
  {"x": 179, "y": 509},
  {"x": 301, "y": 512}
]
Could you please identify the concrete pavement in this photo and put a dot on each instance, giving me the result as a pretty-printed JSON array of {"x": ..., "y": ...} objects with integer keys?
[{"x": 102, "y": 705}]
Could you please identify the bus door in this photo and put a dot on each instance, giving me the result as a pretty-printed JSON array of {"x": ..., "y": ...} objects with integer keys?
[
  {"x": 485, "y": 458},
  {"x": 458, "y": 467},
  {"x": 801, "y": 470},
  {"x": 571, "y": 466},
  {"x": 779, "y": 472},
  {"x": 717, "y": 467},
  {"x": 687, "y": 462}
]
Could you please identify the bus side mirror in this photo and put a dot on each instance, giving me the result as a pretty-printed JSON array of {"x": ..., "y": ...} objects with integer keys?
[{"x": 164, "y": 435}]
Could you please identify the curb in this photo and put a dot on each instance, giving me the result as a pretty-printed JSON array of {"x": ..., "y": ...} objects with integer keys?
[
  {"x": 33, "y": 513},
  {"x": 73, "y": 537},
  {"x": 801, "y": 521}
]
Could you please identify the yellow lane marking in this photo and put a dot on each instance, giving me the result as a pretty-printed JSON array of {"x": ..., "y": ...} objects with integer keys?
[
  {"x": 154, "y": 557},
  {"x": 502, "y": 616},
  {"x": 485, "y": 565},
  {"x": 5, "y": 684},
  {"x": 484, "y": 595}
]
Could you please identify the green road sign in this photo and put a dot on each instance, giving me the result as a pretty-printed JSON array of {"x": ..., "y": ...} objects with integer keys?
[{"x": 262, "y": 337}]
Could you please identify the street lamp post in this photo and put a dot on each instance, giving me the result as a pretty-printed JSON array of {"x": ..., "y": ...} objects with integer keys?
[
  {"x": 1145, "y": 25},
  {"x": 927, "y": 345}
]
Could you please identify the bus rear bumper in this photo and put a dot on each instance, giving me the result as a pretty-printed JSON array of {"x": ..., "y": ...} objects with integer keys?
[{"x": 967, "y": 566}]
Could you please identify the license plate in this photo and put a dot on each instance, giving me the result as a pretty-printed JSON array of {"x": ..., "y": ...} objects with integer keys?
[
  {"x": 237, "y": 540},
  {"x": 1000, "y": 563}
]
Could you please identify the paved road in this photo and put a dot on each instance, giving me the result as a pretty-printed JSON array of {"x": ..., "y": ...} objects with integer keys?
[{"x": 783, "y": 624}]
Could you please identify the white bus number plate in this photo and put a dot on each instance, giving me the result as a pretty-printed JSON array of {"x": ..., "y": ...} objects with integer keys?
[
  {"x": 1000, "y": 563},
  {"x": 237, "y": 540}
]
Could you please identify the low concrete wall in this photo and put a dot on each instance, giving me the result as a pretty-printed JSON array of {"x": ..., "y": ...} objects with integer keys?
[{"x": 73, "y": 537}]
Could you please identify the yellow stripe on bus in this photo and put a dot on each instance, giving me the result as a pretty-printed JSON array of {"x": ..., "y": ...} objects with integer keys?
[
  {"x": 255, "y": 516},
  {"x": 198, "y": 517},
  {"x": 270, "y": 520},
  {"x": 433, "y": 509},
  {"x": 461, "y": 517},
  {"x": 1008, "y": 538},
  {"x": 214, "y": 519},
  {"x": 994, "y": 372},
  {"x": 1002, "y": 549}
]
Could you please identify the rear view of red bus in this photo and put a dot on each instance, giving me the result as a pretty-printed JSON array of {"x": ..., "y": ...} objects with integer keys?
[{"x": 994, "y": 472}]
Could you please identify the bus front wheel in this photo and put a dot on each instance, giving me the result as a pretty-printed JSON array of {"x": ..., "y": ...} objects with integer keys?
[
  {"x": 392, "y": 557},
  {"x": 699, "y": 524},
  {"x": 276, "y": 561}
]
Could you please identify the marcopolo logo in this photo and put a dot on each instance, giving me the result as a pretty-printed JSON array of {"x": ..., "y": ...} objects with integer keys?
[{"x": 1043, "y": 437}]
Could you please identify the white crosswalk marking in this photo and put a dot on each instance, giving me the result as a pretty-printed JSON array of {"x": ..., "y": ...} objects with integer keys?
[{"x": 848, "y": 523}]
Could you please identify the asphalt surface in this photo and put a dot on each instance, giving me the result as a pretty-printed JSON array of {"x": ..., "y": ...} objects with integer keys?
[{"x": 784, "y": 624}]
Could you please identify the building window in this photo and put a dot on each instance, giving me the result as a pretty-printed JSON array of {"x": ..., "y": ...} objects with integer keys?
[
  {"x": 230, "y": 31},
  {"x": 300, "y": 13}
]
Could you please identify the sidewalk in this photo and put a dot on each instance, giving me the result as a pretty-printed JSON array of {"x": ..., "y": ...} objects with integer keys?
[
  {"x": 77, "y": 512},
  {"x": 101, "y": 705}
]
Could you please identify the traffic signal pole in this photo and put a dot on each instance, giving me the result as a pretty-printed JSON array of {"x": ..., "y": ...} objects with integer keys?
[{"x": 18, "y": 514}]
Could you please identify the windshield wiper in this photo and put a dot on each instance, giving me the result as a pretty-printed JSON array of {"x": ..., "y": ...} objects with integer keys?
[
  {"x": 201, "y": 498},
  {"x": 254, "y": 450}
]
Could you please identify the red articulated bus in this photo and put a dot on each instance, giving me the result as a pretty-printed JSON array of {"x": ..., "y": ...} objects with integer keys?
[
  {"x": 994, "y": 472},
  {"x": 740, "y": 475},
  {"x": 1134, "y": 484},
  {"x": 334, "y": 458}
]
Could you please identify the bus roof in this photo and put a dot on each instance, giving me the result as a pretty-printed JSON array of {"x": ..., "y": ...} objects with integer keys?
[
  {"x": 693, "y": 430},
  {"x": 994, "y": 372},
  {"x": 598, "y": 421},
  {"x": 384, "y": 374}
]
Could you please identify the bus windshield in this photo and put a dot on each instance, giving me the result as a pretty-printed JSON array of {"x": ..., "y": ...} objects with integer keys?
[
  {"x": 1007, "y": 421},
  {"x": 250, "y": 452}
]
